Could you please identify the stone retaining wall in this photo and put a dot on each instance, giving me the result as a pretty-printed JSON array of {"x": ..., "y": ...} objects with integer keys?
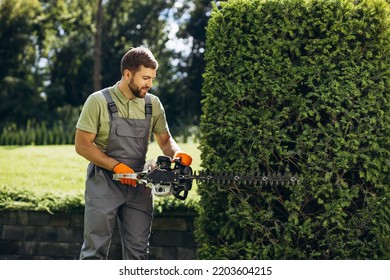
[{"x": 41, "y": 235}]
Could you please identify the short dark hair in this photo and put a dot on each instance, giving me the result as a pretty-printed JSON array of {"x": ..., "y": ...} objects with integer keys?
[{"x": 135, "y": 57}]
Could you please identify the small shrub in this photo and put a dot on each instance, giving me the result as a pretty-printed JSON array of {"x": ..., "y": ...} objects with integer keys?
[{"x": 22, "y": 199}]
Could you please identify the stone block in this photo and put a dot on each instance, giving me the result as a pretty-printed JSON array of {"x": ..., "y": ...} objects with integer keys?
[
  {"x": 59, "y": 220},
  {"x": 169, "y": 223},
  {"x": 13, "y": 218},
  {"x": 78, "y": 234},
  {"x": 168, "y": 238},
  {"x": 41, "y": 235},
  {"x": 22, "y": 218},
  {"x": 156, "y": 253},
  {"x": 57, "y": 250},
  {"x": 13, "y": 232},
  {"x": 73, "y": 251},
  {"x": 28, "y": 248},
  {"x": 38, "y": 218},
  {"x": 9, "y": 257},
  {"x": 190, "y": 223},
  {"x": 185, "y": 253},
  {"x": 77, "y": 219},
  {"x": 65, "y": 234},
  {"x": 9, "y": 247},
  {"x": 169, "y": 253},
  {"x": 47, "y": 233},
  {"x": 30, "y": 233},
  {"x": 176, "y": 214},
  {"x": 190, "y": 241},
  {"x": 4, "y": 218}
]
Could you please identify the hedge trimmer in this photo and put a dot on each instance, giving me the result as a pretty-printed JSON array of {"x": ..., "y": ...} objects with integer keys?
[{"x": 177, "y": 181}]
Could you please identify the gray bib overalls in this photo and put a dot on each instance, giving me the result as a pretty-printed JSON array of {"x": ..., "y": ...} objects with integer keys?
[{"x": 107, "y": 200}]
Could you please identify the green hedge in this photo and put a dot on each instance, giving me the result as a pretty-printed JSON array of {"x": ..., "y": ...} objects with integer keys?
[
  {"x": 298, "y": 86},
  {"x": 59, "y": 128},
  {"x": 23, "y": 199},
  {"x": 35, "y": 133}
]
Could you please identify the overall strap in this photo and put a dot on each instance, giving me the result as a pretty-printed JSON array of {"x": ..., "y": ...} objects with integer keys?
[
  {"x": 111, "y": 104},
  {"x": 114, "y": 110},
  {"x": 148, "y": 115},
  {"x": 148, "y": 106}
]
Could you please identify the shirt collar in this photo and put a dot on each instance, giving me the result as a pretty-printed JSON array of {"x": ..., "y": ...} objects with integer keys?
[{"x": 121, "y": 97}]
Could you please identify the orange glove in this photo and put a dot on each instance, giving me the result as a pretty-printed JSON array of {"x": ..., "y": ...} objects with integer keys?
[
  {"x": 122, "y": 168},
  {"x": 185, "y": 158}
]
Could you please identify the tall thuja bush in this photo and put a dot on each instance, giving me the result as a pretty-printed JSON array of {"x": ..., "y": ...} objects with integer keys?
[{"x": 303, "y": 87}]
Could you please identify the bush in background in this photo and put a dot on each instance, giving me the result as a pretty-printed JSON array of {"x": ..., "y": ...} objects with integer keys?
[
  {"x": 302, "y": 87},
  {"x": 57, "y": 131}
]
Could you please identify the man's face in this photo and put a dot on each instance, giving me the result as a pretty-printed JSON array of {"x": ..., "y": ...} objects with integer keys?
[{"x": 141, "y": 81}]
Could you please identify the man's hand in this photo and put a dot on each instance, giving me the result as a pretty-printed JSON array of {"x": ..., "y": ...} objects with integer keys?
[
  {"x": 150, "y": 165},
  {"x": 122, "y": 168},
  {"x": 185, "y": 159}
]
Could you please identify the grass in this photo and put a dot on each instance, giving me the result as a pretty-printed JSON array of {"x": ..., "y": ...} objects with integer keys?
[{"x": 58, "y": 169}]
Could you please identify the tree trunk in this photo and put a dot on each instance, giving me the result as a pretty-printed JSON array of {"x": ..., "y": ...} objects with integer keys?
[{"x": 97, "y": 80}]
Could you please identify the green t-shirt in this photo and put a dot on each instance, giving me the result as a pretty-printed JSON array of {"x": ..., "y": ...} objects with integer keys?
[{"x": 95, "y": 118}]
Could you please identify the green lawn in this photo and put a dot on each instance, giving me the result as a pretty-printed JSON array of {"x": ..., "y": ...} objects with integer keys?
[{"x": 57, "y": 169}]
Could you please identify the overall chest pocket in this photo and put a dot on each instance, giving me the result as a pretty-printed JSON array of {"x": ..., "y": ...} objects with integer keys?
[{"x": 133, "y": 130}]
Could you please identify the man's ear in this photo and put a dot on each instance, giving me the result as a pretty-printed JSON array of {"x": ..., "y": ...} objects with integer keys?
[{"x": 127, "y": 74}]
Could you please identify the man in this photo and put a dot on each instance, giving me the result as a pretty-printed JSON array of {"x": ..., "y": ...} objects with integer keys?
[{"x": 113, "y": 134}]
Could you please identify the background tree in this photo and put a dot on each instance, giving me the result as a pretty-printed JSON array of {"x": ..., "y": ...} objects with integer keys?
[
  {"x": 48, "y": 51},
  {"x": 70, "y": 47},
  {"x": 97, "y": 79},
  {"x": 193, "y": 31},
  {"x": 135, "y": 23},
  {"x": 20, "y": 47}
]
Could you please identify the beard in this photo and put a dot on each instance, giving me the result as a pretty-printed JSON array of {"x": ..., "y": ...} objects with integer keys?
[{"x": 139, "y": 92}]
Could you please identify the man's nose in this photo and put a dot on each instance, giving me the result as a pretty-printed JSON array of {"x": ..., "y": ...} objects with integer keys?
[{"x": 149, "y": 83}]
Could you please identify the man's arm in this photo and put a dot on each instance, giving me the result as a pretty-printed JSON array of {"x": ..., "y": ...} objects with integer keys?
[
  {"x": 170, "y": 148},
  {"x": 85, "y": 147},
  {"x": 167, "y": 144}
]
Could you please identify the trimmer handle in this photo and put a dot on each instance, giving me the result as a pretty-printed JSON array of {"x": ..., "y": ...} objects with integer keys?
[{"x": 181, "y": 188}]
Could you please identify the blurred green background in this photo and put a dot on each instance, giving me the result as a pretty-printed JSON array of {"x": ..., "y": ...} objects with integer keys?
[{"x": 54, "y": 53}]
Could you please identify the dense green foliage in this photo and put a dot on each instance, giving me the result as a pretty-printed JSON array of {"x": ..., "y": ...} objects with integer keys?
[
  {"x": 23, "y": 199},
  {"x": 303, "y": 87},
  {"x": 20, "y": 42},
  {"x": 50, "y": 132},
  {"x": 47, "y": 57}
]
